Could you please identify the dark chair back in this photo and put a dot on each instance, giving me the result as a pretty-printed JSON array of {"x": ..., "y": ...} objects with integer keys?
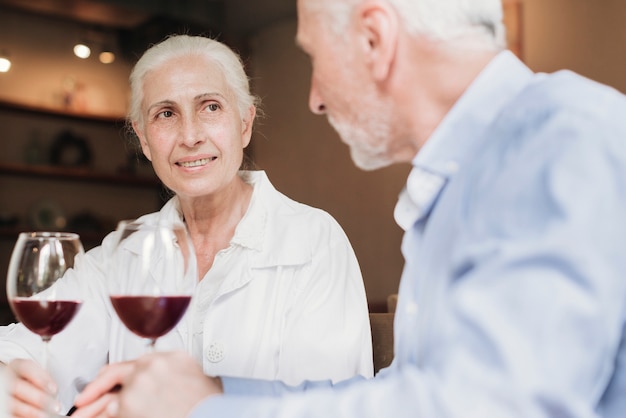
[{"x": 382, "y": 339}]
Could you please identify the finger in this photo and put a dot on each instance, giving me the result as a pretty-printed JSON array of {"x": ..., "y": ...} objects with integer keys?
[
  {"x": 101, "y": 407},
  {"x": 32, "y": 372},
  {"x": 34, "y": 406},
  {"x": 26, "y": 395},
  {"x": 113, "y": 407},
  {"x": 21, "y": 410},
  {"x": 110, "y": 378}
]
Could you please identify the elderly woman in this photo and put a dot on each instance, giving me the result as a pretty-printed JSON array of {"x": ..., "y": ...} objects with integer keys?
[{"x": 279, "y": 292}]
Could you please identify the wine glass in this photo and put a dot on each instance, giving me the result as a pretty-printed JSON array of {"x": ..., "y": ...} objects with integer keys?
[
  {"x": 38, "y": 261},
  {"x": 152, "y": 276}
]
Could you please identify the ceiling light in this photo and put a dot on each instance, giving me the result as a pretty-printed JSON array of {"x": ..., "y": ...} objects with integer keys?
[
  {"x": 107, "y": 57},
  {"x": 81, "y": 50},
  {"x": 5, "y": 62}
]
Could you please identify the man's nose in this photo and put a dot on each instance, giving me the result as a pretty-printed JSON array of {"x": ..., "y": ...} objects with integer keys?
[{"x": 316, "y": 104}]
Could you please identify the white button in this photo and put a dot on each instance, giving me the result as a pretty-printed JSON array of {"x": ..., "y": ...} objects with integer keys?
[
  {"x": 214, "y": 352},
  {"x": 411, "y": 308},
  {"x": 452, "y": 167}
]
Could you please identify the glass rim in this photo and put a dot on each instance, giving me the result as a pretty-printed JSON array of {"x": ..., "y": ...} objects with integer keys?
[{"x": 50, "y": 235}]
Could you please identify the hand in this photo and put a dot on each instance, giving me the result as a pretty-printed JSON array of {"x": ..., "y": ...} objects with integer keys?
[
  {"x": 96, "y": 399},
  {"x": 31, "y": 389},
  {"x": 160, "y": 385}
]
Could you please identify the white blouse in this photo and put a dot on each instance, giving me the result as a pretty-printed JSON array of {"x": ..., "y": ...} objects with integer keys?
[{"x": 284, "y": 301}]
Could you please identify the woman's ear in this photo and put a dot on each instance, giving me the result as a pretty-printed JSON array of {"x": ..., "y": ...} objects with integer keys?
[
  {"x": 246, "y": 126},
  {"x": 378, "y": 24},
  {"x": 142, "y": 140}
]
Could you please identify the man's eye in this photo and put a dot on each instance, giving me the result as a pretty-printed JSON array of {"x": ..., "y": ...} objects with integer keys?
[{"x": 213, "y": 107}]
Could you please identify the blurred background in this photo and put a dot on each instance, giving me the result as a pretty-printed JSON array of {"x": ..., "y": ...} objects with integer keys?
[{"x": 65, "y": 162}]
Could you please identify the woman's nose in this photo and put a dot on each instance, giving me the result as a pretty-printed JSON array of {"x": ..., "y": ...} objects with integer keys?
[{"x": 192, "y": 133}]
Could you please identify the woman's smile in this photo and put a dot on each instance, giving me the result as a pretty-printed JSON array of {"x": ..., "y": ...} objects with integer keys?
[{"x": 196, "y": 163}]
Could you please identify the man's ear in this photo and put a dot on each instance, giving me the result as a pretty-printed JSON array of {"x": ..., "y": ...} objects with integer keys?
[
  {"x": 142, "y": 140},
  {"x": 246, "y": 126},
  {"x": 379, "y": 26}
]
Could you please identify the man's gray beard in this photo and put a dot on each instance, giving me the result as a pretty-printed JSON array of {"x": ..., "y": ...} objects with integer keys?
[
  {"x": 367, "y": 162},
  {"x": 365, "y": 155}
]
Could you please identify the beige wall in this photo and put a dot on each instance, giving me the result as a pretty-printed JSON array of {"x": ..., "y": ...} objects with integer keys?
[{"x": 587, "y": 36}]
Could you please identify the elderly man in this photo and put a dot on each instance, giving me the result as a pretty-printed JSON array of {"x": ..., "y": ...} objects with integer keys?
[{"x": 513, "y": 298}]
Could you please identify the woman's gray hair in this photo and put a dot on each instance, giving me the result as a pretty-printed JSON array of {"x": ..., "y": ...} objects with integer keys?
[
  {"x": 184, "y": 45},
  {"x": 445, "y": 20}
]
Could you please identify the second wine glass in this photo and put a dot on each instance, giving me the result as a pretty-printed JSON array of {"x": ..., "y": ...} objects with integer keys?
[
  {"x": 152, "y": 275},
  {"x": 38, "y": 261},
  {"x": 37, "y": 285}
]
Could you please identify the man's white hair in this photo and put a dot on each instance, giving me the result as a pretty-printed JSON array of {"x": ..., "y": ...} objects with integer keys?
[{"x": 445, "y": 20}]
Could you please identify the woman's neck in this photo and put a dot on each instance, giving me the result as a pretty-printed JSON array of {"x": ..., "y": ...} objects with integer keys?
[{"x": 212, "y": 221}]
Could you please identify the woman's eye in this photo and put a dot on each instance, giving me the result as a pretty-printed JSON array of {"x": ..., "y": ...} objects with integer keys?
[
  {"x": 213, "y": 107},
  {"x": 165, "y": 114}
]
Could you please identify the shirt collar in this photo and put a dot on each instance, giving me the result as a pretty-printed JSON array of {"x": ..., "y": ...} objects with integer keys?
[{"x": 250, "y": 231}]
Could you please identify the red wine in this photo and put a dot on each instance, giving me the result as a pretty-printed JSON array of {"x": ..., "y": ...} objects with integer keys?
[
  {"x": 45, "y": 317},
  {"x": 150, "y": 316}
]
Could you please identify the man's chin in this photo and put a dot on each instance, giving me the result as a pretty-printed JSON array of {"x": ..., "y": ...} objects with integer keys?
[{"x": 368, "y": 162}]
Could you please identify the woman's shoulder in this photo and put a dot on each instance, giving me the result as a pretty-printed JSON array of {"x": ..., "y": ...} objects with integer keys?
[
  {"x": 288, "y": 217},
  {"x": 277, "y": 201},
  {"x": 285, "y": 206}
]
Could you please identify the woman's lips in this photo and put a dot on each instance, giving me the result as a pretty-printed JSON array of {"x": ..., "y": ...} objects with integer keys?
[{"x": 196, "y": 163}]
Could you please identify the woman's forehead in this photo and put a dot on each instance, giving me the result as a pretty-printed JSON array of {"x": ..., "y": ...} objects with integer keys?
[{"x": 186, "y": 74}]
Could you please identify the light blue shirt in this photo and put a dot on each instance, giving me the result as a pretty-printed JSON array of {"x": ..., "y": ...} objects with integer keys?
[{"x": 512, "y": 302}]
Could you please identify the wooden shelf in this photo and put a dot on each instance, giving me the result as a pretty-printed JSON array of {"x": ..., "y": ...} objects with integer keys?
[
  {"x": 49, "y": 111},
  {"x": 46, "y": 172},
  {"x": 87, "y": 237}
]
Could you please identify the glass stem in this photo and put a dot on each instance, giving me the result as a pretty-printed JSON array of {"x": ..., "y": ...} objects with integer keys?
[
  {"x": 151, "y": 346},
  {"x": 46, "y": 354},
  {"x": 49, "y": 407}
]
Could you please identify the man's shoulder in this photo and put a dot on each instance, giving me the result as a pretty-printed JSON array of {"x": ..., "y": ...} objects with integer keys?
[
  {"x": 568, "y": 92},
  {"x": 559, "y": 112}
]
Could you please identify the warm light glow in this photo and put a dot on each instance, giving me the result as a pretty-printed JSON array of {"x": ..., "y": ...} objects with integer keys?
[
  {"x": 5, "y": 64},
  {"x": 82, "y": 51},
  {"x": 107, "y": 57}
]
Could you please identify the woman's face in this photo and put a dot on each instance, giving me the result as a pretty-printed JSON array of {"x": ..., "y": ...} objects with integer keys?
[{"x": 192, "y": 131}]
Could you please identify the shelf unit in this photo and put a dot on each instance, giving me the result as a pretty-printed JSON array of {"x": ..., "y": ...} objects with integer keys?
[
  {"x": 88, "y": 238},
  {"x": 106, "y": 188},
  {"x": 104, "y": 134},
  {"x": 60, "y": 113},
  {"x": 47, "y": 172}
]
